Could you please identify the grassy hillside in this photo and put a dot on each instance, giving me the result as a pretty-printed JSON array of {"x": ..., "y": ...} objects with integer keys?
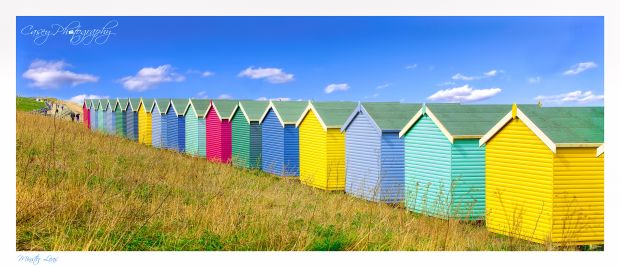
[
  {"x": 28, "y": 104},
  {"x": 77, "y": 190}
]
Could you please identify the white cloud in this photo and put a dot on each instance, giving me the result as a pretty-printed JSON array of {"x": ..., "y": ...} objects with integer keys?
[
  {"x": 149, "y": 77},
  {"x": 490, "y": 73},
  {"x": 225, "y": 96},
  {"x": 272, "y": 75},
  {"x": 578, "y": 96},
  {"x": 202, "y": 94},
  {"x": 80, "y": 98},
  {"x": 462, "y": 77},
  {"x": 207, "y": 74},
  {"x": 534, "y": 80},
  {"x": 263, "y": 98},
  {"x": 336, "y": 87},
  {"x": 448, "y": 83},
  {"x": 375, "y": 95},
  {"x": 464, "y": 94},
  {"x": 52, "y": 74},
  {"x": 412, "y": 66},
  {"x": 580, "y": 67},
  {"x": 383, "y": 86}
]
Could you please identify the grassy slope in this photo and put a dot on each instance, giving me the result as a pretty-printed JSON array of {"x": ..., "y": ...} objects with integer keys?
[
  {"x": 78, "y": 190},
  {"x": 28, "y": 104}
]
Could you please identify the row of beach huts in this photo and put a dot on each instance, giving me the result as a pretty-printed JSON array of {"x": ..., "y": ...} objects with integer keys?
[{"x": 528, "y": 171}]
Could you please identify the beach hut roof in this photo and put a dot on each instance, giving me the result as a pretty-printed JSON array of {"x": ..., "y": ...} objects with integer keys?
[
  {"x": 87, "y": 102},
  {"x": 121, "y": 103},
  {"x": 330, "y": 114},
  {"x": 147, "y": 103},
  {"x": 387, "y": 116},
  {"x": 178, "y": 105},
  {"x": 458, "y": 121},
  {"x": 134, "y": 103},
  {"x": 558, "y": 126},
  {"x": 252, "y": 110},
  {"x": 91, "y": 103},
  {"x": 162, "y": 105},
  {"x": 200, "y": 106},
  {"x": 224, "y": 108},
  {"x": 105, "y": 104},
  {"x": 288, "y": 112}
]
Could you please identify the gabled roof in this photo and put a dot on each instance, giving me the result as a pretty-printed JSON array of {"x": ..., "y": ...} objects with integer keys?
[
  {"x": 134, "y": 103},
  {"x": 92, "y": 103},
  {"x": 386, "y": 116},
  {"x": 558, "y": 126},
  {"x": 162, "y": 105},
  {"x": 86, "y": 103},
  {"x": 122, "y": 103},
  {"x": 99, "y": 104},
  {"x": 147, "y": 103},
  {"x": 252, "y": 110},
  {"x": 330, "y": 114},
  {"x": 200, "y": 106},
  {"x": 288, "y": 112},
  {"x": 178, "y": 105},
  {"x": 105, "y": 103},
  {"x": 458, "y": 121},
  {"x": 224, "y": 108}
]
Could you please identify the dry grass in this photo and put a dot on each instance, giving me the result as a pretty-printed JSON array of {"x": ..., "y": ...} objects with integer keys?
[{"x": 78, "y": 190}]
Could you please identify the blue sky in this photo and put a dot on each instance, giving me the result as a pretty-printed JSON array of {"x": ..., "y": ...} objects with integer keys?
[{"x": 412, "y": 59}]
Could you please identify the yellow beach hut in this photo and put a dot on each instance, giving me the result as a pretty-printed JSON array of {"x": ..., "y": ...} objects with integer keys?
[
  {"x": 145, "y": 121},
  {"x": 544, "y": 175},
  {"x": 321, "y": 144}
]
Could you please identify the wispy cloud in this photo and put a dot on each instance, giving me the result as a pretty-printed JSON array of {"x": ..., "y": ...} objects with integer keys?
[
  {"x": 534, "y": 80},
  {"x": 490, "y": 73},
  {"x": 383, "y": 86},
  {"x": 580, "y": 67},
  {"x": 461, "y": 77},
  {"x": 336, "y": 87},
  {"x": 202, "y": 94},
  {"x": 578, "y": 96},
  {"x": 149, "y": 77},
  {"x": 225, "y": 96},
  {"x": 272, "y": 75},
  {"x": 52, "y": 74},
  {"x": 448, "y": 83},
  {"x": 410, "y": 67},
  {"x": 80, "y": 98},
  {"x": 264, "y": 98},
  {"x": 375, "y": 95},
  {"x": 464, "y": 94},
  {"x": 207, "y": 74}
]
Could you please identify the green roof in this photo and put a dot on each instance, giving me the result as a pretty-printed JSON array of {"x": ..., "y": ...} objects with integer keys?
[
  {"x": 391, "y": 116},
  {"x": 105, "y": 103},
  {"x": 568, "y": 125},
  {"x": 122, "y": 102},
  {"x": 225, "y": 107},
  {"x": 334, "y": 114},
  {"x": 474, "y": 120},
  {"x": 253, "y": 109},
  {"x": 162, "y": 104},
  {"x": 200, "y": 106},
  {"x": 290, "y": 111},
  {"x": 134, "y": 103},
  {"x": 148, "y": 103},
  {"x": 179, "y": 104},
  {"x": 87, "y": 102}
]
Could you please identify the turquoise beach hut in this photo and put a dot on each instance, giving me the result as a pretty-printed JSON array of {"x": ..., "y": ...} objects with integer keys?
[{"x": 444, "y": 164}]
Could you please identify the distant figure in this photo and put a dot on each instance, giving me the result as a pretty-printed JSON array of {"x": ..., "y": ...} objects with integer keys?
[
  {"x": 72, "y": 116},
  {"x": 77, "y": 117}
]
